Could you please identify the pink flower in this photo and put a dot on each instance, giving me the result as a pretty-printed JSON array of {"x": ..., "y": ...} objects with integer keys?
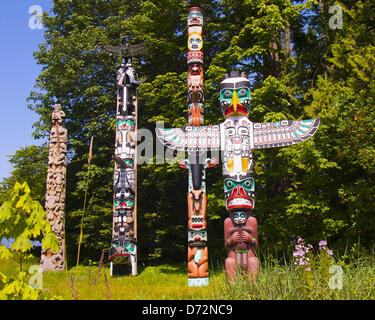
[{"x": 322, "y": 243}]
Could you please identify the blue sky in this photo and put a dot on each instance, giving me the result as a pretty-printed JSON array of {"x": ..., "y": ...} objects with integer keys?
[{"x": 18, "y": 72}]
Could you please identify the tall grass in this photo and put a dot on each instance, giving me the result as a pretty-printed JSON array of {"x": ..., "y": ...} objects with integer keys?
[{"x": 277, "y": 280}]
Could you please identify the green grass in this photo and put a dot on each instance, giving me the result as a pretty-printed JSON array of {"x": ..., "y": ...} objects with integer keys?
[{"x": 277, "y": 280}]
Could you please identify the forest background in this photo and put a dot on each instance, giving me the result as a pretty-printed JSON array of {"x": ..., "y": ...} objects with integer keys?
[{"x": 302, "y": 63}]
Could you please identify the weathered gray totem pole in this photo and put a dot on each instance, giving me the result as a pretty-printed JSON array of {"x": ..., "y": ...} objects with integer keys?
[
  {"x": 236, "y": 137},
  {"x": 123, "y": 251},
  {"x": 55, "y": 195}
]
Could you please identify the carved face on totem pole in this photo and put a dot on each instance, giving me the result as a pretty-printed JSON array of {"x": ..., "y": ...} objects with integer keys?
[
  {"x": 240, "y": 217},
  {"x": 125, "y": 123},
  {"x": 195, "y": 16},
  {"x": 239, "y": 192},
  {"x": 195, "y": 41},
  {"x": 197, "y": 238},
  {"x": 124, "y": 201},
  {"x": 235, "y": 96}
]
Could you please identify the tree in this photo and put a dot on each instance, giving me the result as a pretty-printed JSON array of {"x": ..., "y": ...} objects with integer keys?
[
  {"x": 24, "y": 219},
  {"x": 321, "y": 188},
  {"x": 29, "y": 165}
]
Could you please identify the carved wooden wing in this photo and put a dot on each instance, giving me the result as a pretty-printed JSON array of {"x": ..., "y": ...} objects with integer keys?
[
  {"x": 191, "y": 138},
  {"x": 283, "y": 133}
]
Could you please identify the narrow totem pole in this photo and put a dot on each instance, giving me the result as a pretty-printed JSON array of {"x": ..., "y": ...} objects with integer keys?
[
  {"x": 55, "y": 195},
  {"x": 124, "y": 229},
  {"x": 197, "y": 199},
  {"x": 236, "y": 137}
]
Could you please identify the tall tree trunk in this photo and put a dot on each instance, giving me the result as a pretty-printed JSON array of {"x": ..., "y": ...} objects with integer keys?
[
  {"x": 323, "y": 23},
  {"x": 271, "y": 61},
  {"x": 323, "y": 20},
  {"x": 288, "y": 48}
]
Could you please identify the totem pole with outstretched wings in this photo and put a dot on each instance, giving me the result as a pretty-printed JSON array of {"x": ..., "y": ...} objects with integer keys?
[{"x": 236, "y": 137}]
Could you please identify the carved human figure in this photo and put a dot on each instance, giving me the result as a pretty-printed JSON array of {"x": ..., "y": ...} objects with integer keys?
[
  {"x": 241, "y": 239},
  {"x": 197, "y": 254}
]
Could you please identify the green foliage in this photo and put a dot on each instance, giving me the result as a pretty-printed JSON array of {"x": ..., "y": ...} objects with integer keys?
[
  {"x": 29, "y": 165},
  {"x": 18, "y": 285},
  {"x": 18, "y": 289},
  {"x": 299, "y": 68},
  {"x": 23, "y": 219}
]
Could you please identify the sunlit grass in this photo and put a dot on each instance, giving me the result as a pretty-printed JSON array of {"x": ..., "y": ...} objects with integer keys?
[
  {"x": 277, "y": 280},
  {"x": 153, "y": 283}
]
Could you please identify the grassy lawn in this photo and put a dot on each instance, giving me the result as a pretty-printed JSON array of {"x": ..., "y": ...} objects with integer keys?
[{"x": 276, "y": 281}]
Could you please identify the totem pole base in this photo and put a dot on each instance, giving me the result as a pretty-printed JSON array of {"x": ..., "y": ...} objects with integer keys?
[
  {"x": 198, "y": 282},
  {"x": 49, "y": 264},
  {"x": 120, "y": 270}
]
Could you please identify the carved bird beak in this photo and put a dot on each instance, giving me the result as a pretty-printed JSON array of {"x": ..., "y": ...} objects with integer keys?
[{"x": 235, "y": 101}]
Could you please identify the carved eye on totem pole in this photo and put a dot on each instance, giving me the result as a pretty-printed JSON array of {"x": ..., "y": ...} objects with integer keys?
[
  {"x": 239, "y": 192},
  {"x": 235, "y": 97}
]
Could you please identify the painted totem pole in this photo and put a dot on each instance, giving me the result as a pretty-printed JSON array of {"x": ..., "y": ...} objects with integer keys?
[
  {"x": 55, "y": 195},
  {"x": 236, "y": 137},
  {"x": 124, "y": 229},
  {"x": 197, "y": 199}
]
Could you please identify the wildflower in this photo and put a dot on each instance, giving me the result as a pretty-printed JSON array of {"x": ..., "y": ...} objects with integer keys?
[
  {"x": 322, "y": 243},
  {"x": 302, "y": 253}
]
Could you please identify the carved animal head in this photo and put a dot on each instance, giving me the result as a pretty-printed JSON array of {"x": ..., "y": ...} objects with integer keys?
[
  {"x": 235, "y": 95},
  {"x": 239, "y": 192}
]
